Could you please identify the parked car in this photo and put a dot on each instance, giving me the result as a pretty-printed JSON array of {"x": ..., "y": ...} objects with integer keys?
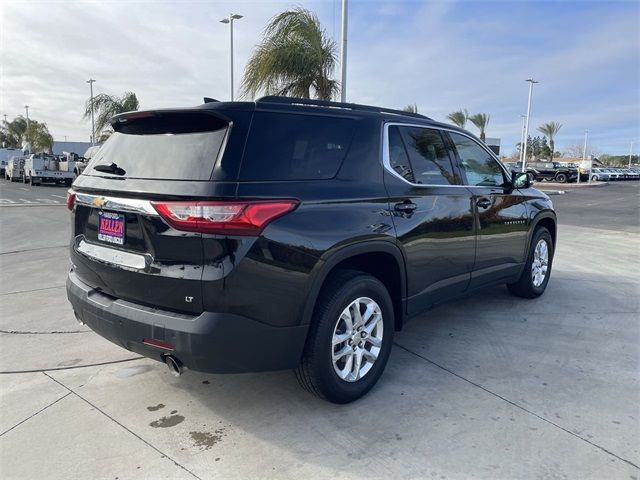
[
  {"x": 629, "y": 174},
  {"x": 300, "y": 238},
  {"x": 551, "y": 171},
  {"x": 599, "y": 174}
]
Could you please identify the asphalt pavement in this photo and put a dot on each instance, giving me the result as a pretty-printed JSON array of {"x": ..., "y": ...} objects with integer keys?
[{"x": 490, "y": 387}]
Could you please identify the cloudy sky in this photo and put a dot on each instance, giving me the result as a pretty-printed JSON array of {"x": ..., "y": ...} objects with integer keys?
[{"x": 441, "y": 55}]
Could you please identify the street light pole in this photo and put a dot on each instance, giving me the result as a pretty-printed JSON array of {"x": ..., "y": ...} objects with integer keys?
[
  {"x": 522, "y": 139},
  {"x": 630, "y": 148},
  {"x": 526, "y": 128},
  {"x": 584, "y": 154},
  {"x": 232, "y": 17},
  {"x": 93, "y": 125},
  {"x": 343, "y": 54}
]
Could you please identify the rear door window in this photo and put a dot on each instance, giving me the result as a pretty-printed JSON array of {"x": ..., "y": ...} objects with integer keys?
[
  {"x": 429, "y": 156},
  {"x": 172, "y": 146},
  {"x": 284, "y": 146}
]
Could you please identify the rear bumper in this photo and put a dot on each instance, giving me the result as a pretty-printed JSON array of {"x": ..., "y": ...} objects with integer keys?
[{"x": 209, "y": 342}]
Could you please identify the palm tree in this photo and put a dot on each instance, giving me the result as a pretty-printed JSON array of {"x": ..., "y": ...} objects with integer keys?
[
  {"x": 106, "y": 106},
  {"x": 459, "y": 118},
  {"x": 550, "y": 131},
  {"x": 480, "y": 120},
  {"x": 411, "y": 108},
  {"x": 295, "y": 58}
]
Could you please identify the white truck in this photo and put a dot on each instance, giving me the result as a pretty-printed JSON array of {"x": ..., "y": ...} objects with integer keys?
[
  {"x": 5, "y": 155},
  {"x": 14, "y": 169},
  {"x": 43, "y": 167}
]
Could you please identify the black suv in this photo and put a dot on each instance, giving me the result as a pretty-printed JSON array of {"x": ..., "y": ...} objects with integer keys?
[
  {"x": 551, "y": 171},
  {"x": 293, "y": 234}
]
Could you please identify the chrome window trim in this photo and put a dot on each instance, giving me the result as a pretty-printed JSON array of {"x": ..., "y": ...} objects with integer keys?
[
  {"x": 386, "y": 161},
  {"x": 118, "y": 204},
  {"x": 111, "y": 256}
]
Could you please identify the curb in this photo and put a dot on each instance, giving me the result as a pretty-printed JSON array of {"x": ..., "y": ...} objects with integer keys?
[{"x": 570, "y": 186}]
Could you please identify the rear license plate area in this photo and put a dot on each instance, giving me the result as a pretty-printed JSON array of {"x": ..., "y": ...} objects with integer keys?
[{"x": 111, "y": 227}]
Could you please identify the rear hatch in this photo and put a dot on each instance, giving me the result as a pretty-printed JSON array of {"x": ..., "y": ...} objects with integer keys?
[{"x": 121, "y": 243}]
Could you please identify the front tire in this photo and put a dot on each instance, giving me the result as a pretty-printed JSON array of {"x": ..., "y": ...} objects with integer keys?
[
  {"x": 349, "y": 339},
  {"x": 537, "y": 270},
  {"x": 561, "y": 178}
]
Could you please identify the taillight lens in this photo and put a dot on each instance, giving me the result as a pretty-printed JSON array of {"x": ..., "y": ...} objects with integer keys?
[
  {"x": 71, "y": 199},
  {"x": 225, "y": 218}
]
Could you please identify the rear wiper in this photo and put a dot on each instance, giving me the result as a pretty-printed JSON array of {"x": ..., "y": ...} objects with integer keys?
[{"x": 112, "y": 168}]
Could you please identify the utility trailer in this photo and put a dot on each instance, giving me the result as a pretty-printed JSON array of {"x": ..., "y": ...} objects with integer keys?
[{"x": 43, "y": 167}]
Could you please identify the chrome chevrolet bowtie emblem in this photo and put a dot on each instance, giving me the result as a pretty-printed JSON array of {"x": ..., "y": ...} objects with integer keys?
[{"x": 99, "y": 202}]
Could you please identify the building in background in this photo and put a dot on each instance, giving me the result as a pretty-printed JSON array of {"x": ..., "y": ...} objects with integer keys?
[
  {"x": 493, "y": 144},
  {"x": 71, "y": 147}
]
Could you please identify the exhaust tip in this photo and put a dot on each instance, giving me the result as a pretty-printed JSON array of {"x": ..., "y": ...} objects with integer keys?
[
  {"x": 78, "y": 319},
  {"x": 175, "y": 366}
]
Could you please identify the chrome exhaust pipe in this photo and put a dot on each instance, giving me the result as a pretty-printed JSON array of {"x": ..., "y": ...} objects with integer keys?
[
  {"x": 175, "y": 366},
  {"x": 78, "y": 319}
]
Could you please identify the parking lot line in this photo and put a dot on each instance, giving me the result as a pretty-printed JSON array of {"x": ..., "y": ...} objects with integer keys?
[{"x": 59, "y": 196}]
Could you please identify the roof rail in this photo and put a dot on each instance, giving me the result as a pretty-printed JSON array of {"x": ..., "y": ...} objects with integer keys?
[{"x": 326, "y": 103}]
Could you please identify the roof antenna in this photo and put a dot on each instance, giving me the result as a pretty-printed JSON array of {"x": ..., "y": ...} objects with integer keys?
[{"x": 210, "y": 100}]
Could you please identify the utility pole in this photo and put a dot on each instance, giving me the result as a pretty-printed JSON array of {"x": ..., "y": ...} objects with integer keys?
[
  {"x": 343, "y": 53},
  {"x": 93, "y": 125},
  {"x": 229, "y": 20},
  {"x": 526, "y": 128}
]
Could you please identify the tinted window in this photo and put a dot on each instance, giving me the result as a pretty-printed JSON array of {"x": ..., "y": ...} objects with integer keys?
[
  {"x": 398, "y": 157},
  {"x": 479, "y": 166},
  {"x": 428, "y": 156},
  {"x": 176, "y": 146},
  {"x": 295, "y": 147}
]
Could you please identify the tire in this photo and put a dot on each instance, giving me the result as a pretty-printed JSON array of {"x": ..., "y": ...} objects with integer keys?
[
  {"x": 594, "y": 178},
  {"x": 561, "y": 178},
  {"x": 317, "y": 371},
  {"x": 525, "y": 287},
  {"x": 68, "y": 182}
]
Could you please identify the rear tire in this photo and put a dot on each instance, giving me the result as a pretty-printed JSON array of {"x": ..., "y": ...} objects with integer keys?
[
  {"x": 323, "y": 370},
  {"x": 561, "y": 178},
  {"x": 530, "y": 285}
]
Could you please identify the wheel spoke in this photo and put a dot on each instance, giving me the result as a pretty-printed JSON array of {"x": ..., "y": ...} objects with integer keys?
[
  {"x": 346, "y": 350},
  {"x": 370, "y": 355},
  {"x": 339, "y": 338},
  {"x": 347, "y": 319},
  {"x": 348, "y": 366},
  {"x": 373, "y": 323},
  {"x": 375, "y": 341},
  {"x": 357, "y": 363},
  {"x": 357, "y": 316}
]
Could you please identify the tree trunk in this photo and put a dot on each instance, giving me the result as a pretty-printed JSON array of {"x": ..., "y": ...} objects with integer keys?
[{"x": 552, "y": 146}]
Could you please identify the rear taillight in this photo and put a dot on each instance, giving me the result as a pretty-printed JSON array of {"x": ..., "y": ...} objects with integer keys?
[
  {"x": 71, "y": 199},
  {"x": 225, "y": 218}
]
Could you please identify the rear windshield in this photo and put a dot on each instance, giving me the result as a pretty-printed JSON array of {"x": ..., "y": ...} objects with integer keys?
[
  {"x": 169, "y": 146},
  {"x": 295, "y": 147}
]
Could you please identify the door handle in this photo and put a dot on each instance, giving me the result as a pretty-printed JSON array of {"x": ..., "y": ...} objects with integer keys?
[
  {"x": 483, "y": 203},
  {"x": 405, "y": 207}
]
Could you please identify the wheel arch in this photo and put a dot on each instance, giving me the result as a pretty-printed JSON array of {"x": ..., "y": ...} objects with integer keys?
[{"x": 381, "y": 259}]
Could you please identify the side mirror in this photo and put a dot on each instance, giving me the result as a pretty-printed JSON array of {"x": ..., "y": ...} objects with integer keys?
[{"x": 521, "y": 180}]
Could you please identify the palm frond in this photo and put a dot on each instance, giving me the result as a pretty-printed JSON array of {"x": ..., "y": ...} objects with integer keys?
[{"x": 295, "y": 58}]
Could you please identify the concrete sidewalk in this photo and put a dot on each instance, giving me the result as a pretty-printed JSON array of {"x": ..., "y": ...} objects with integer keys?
[{"x": 488, "y": 387}]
